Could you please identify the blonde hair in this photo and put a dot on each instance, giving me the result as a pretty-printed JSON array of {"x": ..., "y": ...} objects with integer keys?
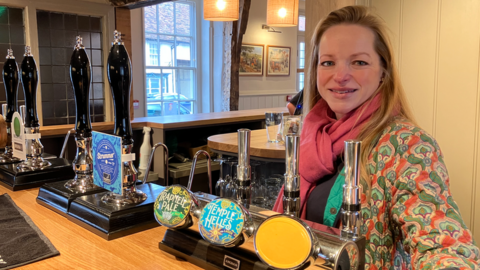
[{"x": 392, "y": 94}]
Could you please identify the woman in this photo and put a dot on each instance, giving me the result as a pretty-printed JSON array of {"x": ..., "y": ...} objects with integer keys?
[{"x": 410, "y": 218}]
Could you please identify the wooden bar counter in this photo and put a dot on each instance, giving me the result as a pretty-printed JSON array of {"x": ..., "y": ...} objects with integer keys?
[
  {"x": 81, "y": 249},
  {"x": 259, "y": 147},
  {"x": 172, "y": 121}
]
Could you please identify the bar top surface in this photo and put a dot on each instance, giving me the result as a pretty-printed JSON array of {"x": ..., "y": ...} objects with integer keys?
[
  {"x": 173, "y": 121},
  {"x": 81, "y": 249},
  {"x": 259, "y": 147}
]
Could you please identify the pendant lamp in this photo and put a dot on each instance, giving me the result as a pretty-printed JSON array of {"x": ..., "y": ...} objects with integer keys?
[
  {"x": 282, "y": 13},
  {"x": 221, "y": 10}
]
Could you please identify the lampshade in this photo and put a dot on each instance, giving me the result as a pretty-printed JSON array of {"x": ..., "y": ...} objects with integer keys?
[
  {"x": 282, "y": 13},
  {"x": 221, "y": 10}
]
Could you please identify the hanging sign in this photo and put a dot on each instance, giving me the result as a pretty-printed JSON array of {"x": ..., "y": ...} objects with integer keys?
[{"x": 107, "y": 161}]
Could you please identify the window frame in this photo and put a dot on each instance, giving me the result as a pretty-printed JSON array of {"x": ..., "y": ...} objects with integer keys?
[
  {"x": 300, "y": 39},
  {"x": 97, "y": 8},
  {"x": 194, "y": 54}
]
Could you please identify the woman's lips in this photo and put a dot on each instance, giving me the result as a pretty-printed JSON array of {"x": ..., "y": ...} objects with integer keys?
[{"x": 342, "y": 93}]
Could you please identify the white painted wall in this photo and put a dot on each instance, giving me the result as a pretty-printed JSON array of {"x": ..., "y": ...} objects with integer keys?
[
  {"x": 251, "y": 87},
  {"x": 437, "y": 44}
]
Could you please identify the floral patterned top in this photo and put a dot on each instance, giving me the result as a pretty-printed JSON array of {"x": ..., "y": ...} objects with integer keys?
[{"x": 411, "y": 220}]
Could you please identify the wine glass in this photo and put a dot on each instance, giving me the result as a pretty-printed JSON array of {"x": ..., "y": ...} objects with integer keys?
[{"x": 220, "y": 186}]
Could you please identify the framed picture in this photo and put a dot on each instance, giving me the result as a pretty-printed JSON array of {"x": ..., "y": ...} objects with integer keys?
[
  {"x": 278, "y": 61},
  {"x": 251, "y": 60}
]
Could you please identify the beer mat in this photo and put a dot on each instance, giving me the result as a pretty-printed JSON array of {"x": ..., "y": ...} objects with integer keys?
[{"x": 21, "y": 242}]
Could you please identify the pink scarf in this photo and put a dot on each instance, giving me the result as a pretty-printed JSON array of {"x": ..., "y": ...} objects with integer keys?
[{"x": 322, "y": 141}]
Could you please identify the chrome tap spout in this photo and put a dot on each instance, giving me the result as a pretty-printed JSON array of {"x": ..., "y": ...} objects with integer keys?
[
  {"x": 194, "y": 164},
  {"x": 165, "y": 148},
  {"x": 291, "y": 193}
]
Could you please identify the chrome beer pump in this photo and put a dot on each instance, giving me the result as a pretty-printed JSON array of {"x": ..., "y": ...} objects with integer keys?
[
  {"x": 58, "y": 196},
  {"x": 291, "y": 192},
  {"x": 34, "y": 171},
  {"x": 244, "y": 171},
  {"x": 80, "y": 74},
  {"x": 107, "y": 214},
  {"x": 350, "y": 215},
  {"x": 33, "y": 146},
  {"x": 120, "y": 77},
  {"x": 10, "y": 81}
]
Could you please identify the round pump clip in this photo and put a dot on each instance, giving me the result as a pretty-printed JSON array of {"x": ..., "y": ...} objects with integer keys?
[
  {"x": 225, "y": 223},
  {"x": 175, "y": 207},
  {"x": 286, "y": 242}
]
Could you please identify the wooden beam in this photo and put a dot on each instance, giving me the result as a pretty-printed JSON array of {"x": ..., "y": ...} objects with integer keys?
[{"x": 238, "y": 30}]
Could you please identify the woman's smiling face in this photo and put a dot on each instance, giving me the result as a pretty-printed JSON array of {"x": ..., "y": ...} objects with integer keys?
[{"x": 349, "y": 69}]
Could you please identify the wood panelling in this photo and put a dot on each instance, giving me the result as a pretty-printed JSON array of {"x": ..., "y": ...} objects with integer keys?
[
  {"x": 437, "y": 44},
  {"x": 457, "y": 94},
  {"x": 262, "y": 102}
]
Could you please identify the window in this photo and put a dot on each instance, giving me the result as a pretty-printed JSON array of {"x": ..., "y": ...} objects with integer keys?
[
  {"x": 301, "y": 65},
  {"x": 170, "y": 39},
  {"x": 301, "y": 53},
  {"x": 52, "y": 38},
  {"x": 301, "y": 23},
  {"x": 11, "y": 37},
  {"x": 58, "y": 101}
]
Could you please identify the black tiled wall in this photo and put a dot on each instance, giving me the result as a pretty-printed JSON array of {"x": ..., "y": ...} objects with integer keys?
[
  {"x": 12, "y": 36},
  {"x": 56, "y": 38}
]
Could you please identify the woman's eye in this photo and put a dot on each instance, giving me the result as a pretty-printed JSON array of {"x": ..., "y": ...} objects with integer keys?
[
  {"x": 326, "y": 63},
  {"x": 360, "y": 63}
]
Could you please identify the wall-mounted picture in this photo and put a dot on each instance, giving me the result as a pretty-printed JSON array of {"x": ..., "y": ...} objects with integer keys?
[
  {"x": 278, "y": 61},
  {"x": 251, "y": 60}
]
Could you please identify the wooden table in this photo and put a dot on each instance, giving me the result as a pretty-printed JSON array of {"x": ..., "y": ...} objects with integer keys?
[
  {"x": 259, "y": 147},
  {"x": 81, "y": 249}
]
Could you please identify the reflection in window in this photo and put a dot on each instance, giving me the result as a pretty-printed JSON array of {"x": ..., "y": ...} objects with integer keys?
[
  {"x": 58, "y": 102},
  {"x": 170, "y": 53},
  {"x": 12, "y": 36}
]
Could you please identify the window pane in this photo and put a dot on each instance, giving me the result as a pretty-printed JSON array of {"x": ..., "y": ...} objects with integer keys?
[
  {"x": 184, "y": 53},
  {"x": 165, "y": 15},
  {"x": 151, "y": 19},
  {"x": 167, "y": 51},
  {"x": 168, "y": 83},
  {"x": 153, "y": 84},
  {"x": 185, "y": 84},
  {"x": 182, "y": 18},
  {"x": 301, "y": 23}
]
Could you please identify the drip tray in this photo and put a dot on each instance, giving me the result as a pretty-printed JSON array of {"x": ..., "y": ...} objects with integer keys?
[
  {"x": 56, "y": 197},
  {"x": 13, "y": 179},
  {"x": 112, "y": 221}
]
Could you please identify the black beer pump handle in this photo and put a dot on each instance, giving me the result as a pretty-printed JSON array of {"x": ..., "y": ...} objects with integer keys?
[
  {"x": 10, "y": 80},
  {"x": 120, "y": 77},
  {"x": 80, "y": 76},
  {"x": 29, "y": 76}
]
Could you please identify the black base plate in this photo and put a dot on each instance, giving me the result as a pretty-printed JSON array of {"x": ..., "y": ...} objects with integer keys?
[
  {"x": 112, "y": 221},
  {"x": 57, "y": 197},
  {"x": 189, "y": 246},
  {"x": 10, "y": 177},
  {"x": 44, "y": 155}
]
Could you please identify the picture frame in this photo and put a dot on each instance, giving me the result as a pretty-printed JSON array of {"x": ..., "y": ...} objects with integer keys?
[
  {"x": 278, "y": 60},
  {"x": 251, "y": 59}
]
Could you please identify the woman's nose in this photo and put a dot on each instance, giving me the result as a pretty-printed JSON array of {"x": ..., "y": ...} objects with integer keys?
[{"x": 342, "y": 73}]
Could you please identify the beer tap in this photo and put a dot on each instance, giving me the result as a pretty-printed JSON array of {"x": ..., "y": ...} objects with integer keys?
[
  {"x": 34, "y": 148},
  {"x": 350, "y": 215},
  {"x": 10, "y": 81},
  {"x": 120, "y": 77},
  {"x": 244, "y": 170},
  {"x": 80, "y": 75},
  {"x": 291, "y": 192}
]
